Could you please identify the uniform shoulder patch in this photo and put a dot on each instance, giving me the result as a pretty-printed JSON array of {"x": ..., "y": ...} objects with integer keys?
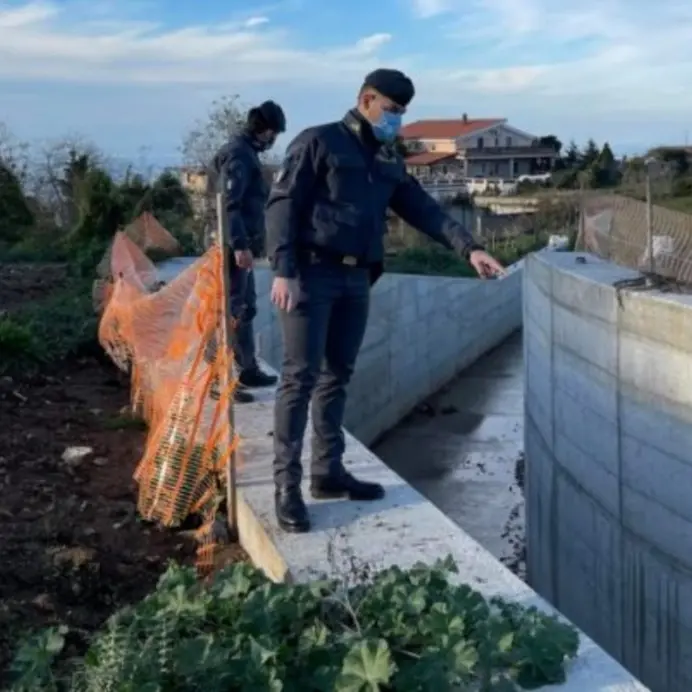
[{"x": 236, "y": 172}]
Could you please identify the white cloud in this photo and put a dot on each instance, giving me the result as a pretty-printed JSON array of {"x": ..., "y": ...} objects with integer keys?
[
  {"x": 40, "y": 40},
  {"x": 256, "y": 21},
  {"x": 19, "y": 17},
  {"x": 572, "y": 61},
  {"x": 431, "y": 8},
  {"x": 618, "y": 54}
]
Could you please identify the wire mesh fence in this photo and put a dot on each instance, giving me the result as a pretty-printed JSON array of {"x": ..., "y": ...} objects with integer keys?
[
  {"x": 166, "y": 337},
  {"x": 639, "y": 234}
]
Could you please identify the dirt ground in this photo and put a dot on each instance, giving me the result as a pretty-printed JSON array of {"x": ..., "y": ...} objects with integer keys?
[
  {"x": 72, "y": 549},
  {"x": 22, "y": 283}
]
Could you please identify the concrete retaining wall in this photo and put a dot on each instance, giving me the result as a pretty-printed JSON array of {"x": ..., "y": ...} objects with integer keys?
[
  {"x": 422, "y": 331},
  {"x": 441, "y": 320},
  {"x": 609, "y": 461}
]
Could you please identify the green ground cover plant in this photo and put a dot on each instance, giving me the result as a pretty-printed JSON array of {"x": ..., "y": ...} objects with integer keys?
[{"x": 397, "y": 630}]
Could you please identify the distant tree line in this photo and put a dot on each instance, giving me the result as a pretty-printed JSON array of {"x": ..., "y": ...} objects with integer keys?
[
  {"x": 62, "y": 203},
  {"x": 594, "y": 167},
  {"x": 590, "y": 165}
]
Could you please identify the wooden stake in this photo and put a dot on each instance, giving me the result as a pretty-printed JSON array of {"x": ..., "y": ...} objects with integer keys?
[{"x": 227, "y": 328}]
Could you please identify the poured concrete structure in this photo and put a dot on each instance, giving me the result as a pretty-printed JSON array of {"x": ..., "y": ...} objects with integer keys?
[
  {"x": 404, "y": 527},
  {"x": 609, "y": 460}
]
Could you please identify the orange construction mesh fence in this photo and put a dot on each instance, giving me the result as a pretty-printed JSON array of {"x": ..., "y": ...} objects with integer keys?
[{"x": 167, "y": 339}]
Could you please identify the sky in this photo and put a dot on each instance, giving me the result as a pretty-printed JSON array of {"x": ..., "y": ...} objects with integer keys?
[{"x": 134, "y": 75}]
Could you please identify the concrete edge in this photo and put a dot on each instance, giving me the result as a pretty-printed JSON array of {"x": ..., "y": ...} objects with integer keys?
[{"x": 258, "y": 543}]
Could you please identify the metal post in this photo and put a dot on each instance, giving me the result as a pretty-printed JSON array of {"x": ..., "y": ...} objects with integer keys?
[
  {"x": 649, "y": 219},
  {"x": 227, "y": 330},
  {"x": 581, "y": 228}
]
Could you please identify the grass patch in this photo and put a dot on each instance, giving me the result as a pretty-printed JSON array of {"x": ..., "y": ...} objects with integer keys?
[
  {"x": 125, "y": 421},
  {"x": 47, "y": 331},
  {"x": 683, "y": 204}
]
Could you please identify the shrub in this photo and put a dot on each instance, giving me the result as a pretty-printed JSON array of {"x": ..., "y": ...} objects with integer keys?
[
  {"x": 400, "y": 630},
  {"x": 15, "y": 215},
  {"x": 16, "y": 344},
  {"x": 438, "y": 261},
  {"x": 431, "y": 260},
  {"x": 47, "y": 331}
]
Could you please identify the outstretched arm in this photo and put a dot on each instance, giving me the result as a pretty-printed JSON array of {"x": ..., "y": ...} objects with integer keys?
[
  {"x": 415, "y": 206},
  {"x": 290, "y": 193}
]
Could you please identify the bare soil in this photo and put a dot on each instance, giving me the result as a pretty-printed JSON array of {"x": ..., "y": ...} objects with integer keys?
[
  {"x": 24, "y": 283},
  {"x": 72, "y": 549}
]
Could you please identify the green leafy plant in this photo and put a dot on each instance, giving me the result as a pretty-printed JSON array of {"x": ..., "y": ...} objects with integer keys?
[
  {"x": 404, "y": 630},
  {"x": 16, "y": 339}
]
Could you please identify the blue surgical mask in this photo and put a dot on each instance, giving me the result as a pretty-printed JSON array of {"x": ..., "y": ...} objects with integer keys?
[{"x": 388, "y": 126}]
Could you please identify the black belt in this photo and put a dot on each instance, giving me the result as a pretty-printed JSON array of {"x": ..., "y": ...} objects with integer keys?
[{"x": 321, "y": 256}]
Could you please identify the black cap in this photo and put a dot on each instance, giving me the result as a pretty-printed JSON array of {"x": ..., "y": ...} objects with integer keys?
[
  {"x": 393, "y": 84},
  {"x": 273, "y": 116}
]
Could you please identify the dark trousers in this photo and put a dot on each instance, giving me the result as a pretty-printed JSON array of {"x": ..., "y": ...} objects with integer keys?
[
  {"x": 243, "y": 308},
  {"x": 321, "y": 339}
]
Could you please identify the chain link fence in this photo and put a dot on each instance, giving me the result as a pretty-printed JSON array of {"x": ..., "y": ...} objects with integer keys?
[{"x": 638, "y": 234}]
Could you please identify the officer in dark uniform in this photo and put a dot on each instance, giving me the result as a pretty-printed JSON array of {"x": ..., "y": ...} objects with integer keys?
[
  {"x": 326, "y": 220},
  {"x": 239, "y": 170}
]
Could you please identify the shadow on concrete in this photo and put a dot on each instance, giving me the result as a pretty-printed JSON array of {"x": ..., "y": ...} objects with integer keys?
[
  {"x": 484, "y": 382},
  {"x": 331, "y": 515},
  {"x": 338, "y": 515}
]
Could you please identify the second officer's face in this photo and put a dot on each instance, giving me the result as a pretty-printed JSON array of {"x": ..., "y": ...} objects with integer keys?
[{"x": 268, "y": 138}]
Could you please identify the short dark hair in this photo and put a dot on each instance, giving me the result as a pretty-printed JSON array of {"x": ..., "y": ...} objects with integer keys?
[{"x": 266, "y": 116}]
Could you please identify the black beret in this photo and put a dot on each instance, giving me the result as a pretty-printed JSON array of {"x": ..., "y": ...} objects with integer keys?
[{"x": 393, "y": 84}]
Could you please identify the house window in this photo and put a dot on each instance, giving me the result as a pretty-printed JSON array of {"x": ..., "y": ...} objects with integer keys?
[
  {"x": 480, "y": 142},
  {"x": 497, "y": 141},
  {"x": 508, "y": 142},
  {"x": 444, "y": 170}
]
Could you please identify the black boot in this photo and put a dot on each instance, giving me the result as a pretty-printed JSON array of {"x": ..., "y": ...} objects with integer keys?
[
  {"x": 256, "y": 378},
  {"x": 291, "y": 512},
  {"x": 345, "y": 486},
  {"x": 240, "y": 396}
]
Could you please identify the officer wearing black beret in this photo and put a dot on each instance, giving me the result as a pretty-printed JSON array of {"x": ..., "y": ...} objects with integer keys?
[
  {"x": 237, "y": 169},
  {"x": 326, "y": 221}
]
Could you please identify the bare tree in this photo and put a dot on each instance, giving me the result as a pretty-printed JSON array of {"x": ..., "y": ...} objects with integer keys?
[
  {"x": 14, "y": 154},
  {"x": 226, "y": 117},
  {"x": 48, "y": 169}
]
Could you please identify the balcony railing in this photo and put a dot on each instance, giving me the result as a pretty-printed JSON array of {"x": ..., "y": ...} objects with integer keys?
[{"x": 507, "y": 152}]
